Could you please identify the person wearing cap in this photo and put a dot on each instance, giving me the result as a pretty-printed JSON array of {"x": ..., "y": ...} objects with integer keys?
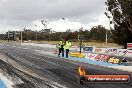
[
  {"x": 61, "y": 47},
  {"x": 67, "y": 47}
]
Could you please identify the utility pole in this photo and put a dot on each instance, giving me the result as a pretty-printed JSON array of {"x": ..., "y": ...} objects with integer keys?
[
  {"x": 36, "y": 34},
  {"x": 21, "y": 37},
  {"x": 68, "y": 34},
  {"x": 106, "y": 37},
  {"x": 8, "y": 35},
  {"x": 109, "y": 25},
  {"x": 107, "y": 31}
]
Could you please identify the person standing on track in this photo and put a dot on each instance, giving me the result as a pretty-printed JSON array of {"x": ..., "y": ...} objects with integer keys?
[
  {"x": 61, "y": 47},
  {"x": 67, "y": 47}
]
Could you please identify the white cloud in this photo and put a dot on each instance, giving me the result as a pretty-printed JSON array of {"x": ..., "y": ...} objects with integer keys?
[
  {"x": 102, "y": 20},
  {"x": 57, "y": 25},
  {"x": 27, "y": 13}
]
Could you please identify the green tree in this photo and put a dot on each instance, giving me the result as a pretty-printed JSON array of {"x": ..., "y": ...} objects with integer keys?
[
  {"x": 121, "y": 11},
  {"x": 86, "y": 35},
  {"x": 98, "y": 33}
]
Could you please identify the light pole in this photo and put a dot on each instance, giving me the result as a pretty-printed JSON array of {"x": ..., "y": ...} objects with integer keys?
[
  {"x": 106, "y": 37},
  {"x": 63, "y": 23},
  {"x": 21, "y": 37},
  {"x": 68, "y": 34},
  {"x": 110, "y": 22},
  {"x": 36, "y": 34},
  {"x": 109, "y": 26},
  {"x": 8, "y": 35}
]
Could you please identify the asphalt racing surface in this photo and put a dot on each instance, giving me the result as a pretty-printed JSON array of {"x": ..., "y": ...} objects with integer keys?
[{"x": 44, "y": 71}]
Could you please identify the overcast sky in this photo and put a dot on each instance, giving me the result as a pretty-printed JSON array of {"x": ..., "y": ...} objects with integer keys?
[{"x": 18, "y": 14}]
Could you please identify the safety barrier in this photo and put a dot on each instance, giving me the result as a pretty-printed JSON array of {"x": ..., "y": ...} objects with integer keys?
[
  {"x": 102, "y": 57},
  {"x": 78, "y": 55},
  {"x": 114, "y": 51},
  {"x": 114, "y": 60},
  {"x": 106, "y": 58}
]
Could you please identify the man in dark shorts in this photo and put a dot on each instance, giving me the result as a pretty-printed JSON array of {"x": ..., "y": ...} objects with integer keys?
[{"x": 61, "y": 47}]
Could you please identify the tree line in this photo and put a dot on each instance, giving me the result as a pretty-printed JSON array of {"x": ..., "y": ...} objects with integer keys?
[{"x": 96, "y": 34}]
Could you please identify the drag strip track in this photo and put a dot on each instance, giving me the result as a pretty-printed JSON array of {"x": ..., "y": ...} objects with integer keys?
[{"x": 53, "y": 72}]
